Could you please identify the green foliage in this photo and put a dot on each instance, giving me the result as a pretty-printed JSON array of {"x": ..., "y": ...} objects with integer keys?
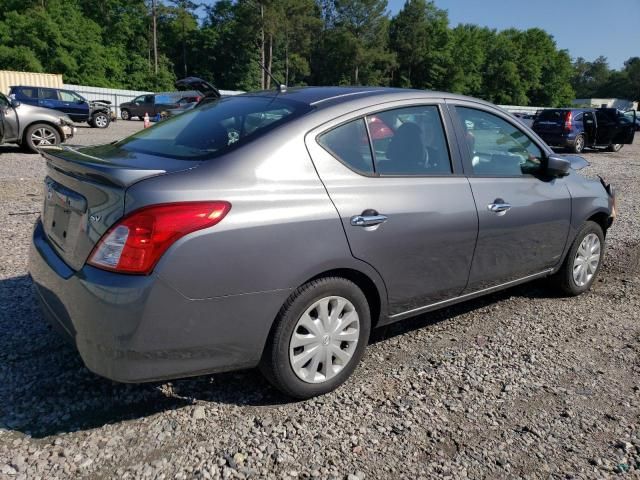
[{"x": 302, "y": 42}]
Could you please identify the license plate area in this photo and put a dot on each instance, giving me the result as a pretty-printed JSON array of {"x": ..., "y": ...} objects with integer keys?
[{"x": 63, "y": 210}]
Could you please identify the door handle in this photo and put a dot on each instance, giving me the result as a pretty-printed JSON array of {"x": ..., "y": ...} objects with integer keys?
[
  {"x": 368, "y": 220},
  {"x": 498, "y": 206}
]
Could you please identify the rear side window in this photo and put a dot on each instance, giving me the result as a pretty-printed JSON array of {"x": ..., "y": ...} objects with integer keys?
[
  {"x": 215, "y": 128},
  {"x": 409, "y": 141},
  {"x": 48, "y": 94},
  {"x": 27, "y": 92},
  {"x": 349, "y": 144}
]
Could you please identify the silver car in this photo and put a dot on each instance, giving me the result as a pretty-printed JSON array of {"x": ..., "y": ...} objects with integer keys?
[
  {"x": 276, "y": 229},
  {"x": 32, "y": 127}
]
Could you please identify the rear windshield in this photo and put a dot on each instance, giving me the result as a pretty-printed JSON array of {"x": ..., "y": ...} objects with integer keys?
[
  {"x": 215, "y": 128},
  {"x": 552, "y": 115}
]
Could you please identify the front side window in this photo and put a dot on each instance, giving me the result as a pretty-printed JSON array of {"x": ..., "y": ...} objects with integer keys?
[
  {"x": 496, "y": 147},
  {"x": 213, "y": 129},
  {"x": 138, "y": 100},
  {"x": 409, "y": 141},
  {"x": 349, "y": 144},
  {"x": 70, "y": 97}
]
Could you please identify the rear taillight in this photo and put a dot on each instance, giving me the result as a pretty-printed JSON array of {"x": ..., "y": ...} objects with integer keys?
[
  {"x": 567, "y": 121},
  {"x": 138, "y": 240}
]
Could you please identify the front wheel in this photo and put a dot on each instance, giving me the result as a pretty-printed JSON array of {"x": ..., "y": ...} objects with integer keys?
[
  {"x": 614, "y": 147},
  {"x": 318, "y": 339},
  {"x": 582, "y": 264},
  {"x": 41, "y": 135},
  {"x": 125, "y": 114},
  {"x": 100, "y": 120}
]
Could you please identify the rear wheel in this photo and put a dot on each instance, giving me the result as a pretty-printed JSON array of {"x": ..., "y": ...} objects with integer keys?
[
  {"x": 41, "y": 135},
  {"x": 614, "y": 147},
  {"x": 125, "y": 114},
  {"x": 318, "y": 339},
  {"x": 578, "y": 145},
  {"x": 582, "y": 264}
]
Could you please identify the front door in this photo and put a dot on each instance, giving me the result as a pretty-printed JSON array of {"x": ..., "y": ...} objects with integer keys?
[
  {"x": 8, "y": 121},
  {"x": 523, "y": 217},
  {"x": 74, "y": 105},
  {"x": 406, "y": 208}
]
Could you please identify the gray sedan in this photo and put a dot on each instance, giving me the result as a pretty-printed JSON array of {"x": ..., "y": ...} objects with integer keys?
[
  {"x": 32, "y": 127},
  {"x": 276, "y": 229}
]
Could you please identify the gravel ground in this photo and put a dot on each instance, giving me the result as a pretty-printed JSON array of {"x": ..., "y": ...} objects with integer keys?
[{"x": 518, "y": 384}]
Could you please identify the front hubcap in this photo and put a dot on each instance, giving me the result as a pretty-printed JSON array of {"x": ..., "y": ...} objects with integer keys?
[
  {"x": 43, "y": 136},
  {"x": 587, "y": 260},
  {"x": 101, "y": 121},
  {"x": 324, "y": 339}
]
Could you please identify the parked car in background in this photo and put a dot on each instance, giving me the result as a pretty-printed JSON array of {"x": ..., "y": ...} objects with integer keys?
[
  {"x": 150, "y": 104},
  {"x": 525, "y": 118},
  {"x": 277, "y": 229},
  {"x": 577, "y": 129},
  {"x": 96, "y": 113},
  {"x": 633, "y": 117},
  {"x": 32, "y": 127}
]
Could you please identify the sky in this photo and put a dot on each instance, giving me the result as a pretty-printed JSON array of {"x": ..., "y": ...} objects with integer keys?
[{"x": 587, "y": 28}]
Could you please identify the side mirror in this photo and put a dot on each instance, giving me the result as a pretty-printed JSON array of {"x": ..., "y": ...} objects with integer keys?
[
  {"x": 80, "y": 102},
  {"x": 557, "y": 166},
  {"x": 15, "y": 103}
]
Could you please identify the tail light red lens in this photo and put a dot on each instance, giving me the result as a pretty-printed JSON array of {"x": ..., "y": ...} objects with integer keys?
[
  {"x": 136, "y": 242},
  {"x": 567, "y": 121}
]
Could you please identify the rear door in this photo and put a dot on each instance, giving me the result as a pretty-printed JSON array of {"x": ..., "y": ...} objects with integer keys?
[
  {"x": 405, "y": 205},
  {"x": 48, "y": 98},
  {"x": 590, "y": 127},
  {"x": 523, "y": 217}
]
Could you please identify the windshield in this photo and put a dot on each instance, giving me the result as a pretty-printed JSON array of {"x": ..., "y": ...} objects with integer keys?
[{"x": 215, "y": 128}]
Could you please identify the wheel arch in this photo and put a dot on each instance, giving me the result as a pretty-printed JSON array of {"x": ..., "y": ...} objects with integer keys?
[{"x": 23, "y": 137}]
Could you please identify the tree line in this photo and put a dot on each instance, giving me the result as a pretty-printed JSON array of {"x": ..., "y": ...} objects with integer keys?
[{"x": 147, "y": 44}]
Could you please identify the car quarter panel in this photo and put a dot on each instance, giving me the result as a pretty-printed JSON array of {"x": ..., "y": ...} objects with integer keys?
[{"x": 282, "y": 228}]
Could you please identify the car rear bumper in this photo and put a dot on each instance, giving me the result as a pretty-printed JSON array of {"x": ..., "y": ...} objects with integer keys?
[
  {"x": 136, "y": 328},
  {"x": 559, "y": 141}
]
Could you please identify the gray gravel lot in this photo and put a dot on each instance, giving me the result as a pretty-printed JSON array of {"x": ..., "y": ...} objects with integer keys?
[{"x": 518, "y": 384}]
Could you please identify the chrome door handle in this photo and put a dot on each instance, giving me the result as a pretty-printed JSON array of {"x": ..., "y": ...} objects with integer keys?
[
  {"x": 368, "y": 220},
  {"x": 498, "y": 207}
]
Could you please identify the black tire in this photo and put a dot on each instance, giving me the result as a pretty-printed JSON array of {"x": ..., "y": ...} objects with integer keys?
[
  {"x": 614, "y": 147},
  {"x": 275, "y": 364},
  {"x": 563, "y": 279},
  {"x": 41, "y": 130},
  {"x": 100, "y": 120},
  {"x": 125, "y": 114},
  {"x": 578, "y": 145}
]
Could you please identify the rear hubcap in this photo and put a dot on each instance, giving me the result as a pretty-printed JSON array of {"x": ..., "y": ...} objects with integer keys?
[
  {"x": 43, "y": 136},
  {"x": 324, "y": 339},
  {"x": 587, "y": 260}
]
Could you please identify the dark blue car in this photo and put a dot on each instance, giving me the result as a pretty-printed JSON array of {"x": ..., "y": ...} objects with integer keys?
[
  {"x": 579, "y": 128},
  {"x": 79, "y": 109}
]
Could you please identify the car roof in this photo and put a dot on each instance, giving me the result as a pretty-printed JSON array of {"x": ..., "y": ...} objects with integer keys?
[{"x": 321, "y": 97}]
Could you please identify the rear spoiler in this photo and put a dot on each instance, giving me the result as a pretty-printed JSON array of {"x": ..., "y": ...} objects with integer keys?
[{"x": 71, "y": 162}]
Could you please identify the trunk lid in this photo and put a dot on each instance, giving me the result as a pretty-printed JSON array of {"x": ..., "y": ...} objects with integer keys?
[
  {"x": 549, "y": 121},
  {"x": 85, "y": 193}
]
